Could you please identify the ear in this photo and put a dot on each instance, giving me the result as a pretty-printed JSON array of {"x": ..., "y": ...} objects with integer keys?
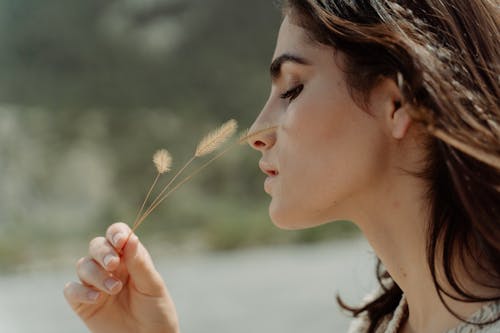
[
  {"x": 401, "y": 121},
  {"x": 386, "y": 100}
]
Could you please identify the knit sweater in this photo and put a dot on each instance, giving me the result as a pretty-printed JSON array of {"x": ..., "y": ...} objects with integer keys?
[{"x": 393, "y": 322}]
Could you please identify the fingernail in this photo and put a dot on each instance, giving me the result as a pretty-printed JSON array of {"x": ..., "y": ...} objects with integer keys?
[
  {"x": 107, "y": 259},
  {"x": 93, "y": 295},
  {"x": 111, "y": 284},
  {"x": 117, "y": 238}
]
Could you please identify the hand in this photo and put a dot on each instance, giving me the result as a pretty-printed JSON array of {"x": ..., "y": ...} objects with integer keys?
[{"x": 124, "y": 293}]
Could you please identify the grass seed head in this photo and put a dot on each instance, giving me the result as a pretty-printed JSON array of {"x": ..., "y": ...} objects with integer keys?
[
  {"x": 216, "y": 138},
  {"x": 162, "y": 161}
]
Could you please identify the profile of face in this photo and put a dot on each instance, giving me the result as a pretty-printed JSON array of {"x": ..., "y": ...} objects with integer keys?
[{"x": 327, "y": 157}]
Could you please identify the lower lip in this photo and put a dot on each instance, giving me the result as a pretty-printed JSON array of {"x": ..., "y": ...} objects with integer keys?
[{"x": 268, "y": 183}]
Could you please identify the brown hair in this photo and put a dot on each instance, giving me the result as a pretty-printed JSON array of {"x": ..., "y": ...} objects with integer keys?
[{"x": 445, "y": 57}]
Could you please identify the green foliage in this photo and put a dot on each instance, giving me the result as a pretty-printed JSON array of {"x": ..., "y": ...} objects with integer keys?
[
  {"x": 75, "y": 54},
  {"x": 90, "y": 89}
]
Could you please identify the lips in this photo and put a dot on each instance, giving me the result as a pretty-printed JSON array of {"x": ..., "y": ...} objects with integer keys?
[
  {"x": 271, "y": 171},
  {"x": 268, "y": 168}
]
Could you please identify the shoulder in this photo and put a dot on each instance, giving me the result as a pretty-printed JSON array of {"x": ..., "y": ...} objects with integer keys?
[
  {"x": 489, "y": 312},
  {"x": 392, "y": 322}
]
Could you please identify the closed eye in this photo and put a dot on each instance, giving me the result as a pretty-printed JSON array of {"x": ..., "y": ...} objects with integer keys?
[{"x": 292, "y": 93}]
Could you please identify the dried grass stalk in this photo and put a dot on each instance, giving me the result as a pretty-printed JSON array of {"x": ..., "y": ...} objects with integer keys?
[
  {"x": 211, "y": 142},
  {"x": 207, "y": 145},
  {"x": 160, "y": 198},
  {"x": 244, "y": 137}
]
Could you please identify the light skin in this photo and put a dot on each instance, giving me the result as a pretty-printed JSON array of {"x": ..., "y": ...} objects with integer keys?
[
  {"x": 328, "y": 159},
  {"x": 138, "y": 300}
]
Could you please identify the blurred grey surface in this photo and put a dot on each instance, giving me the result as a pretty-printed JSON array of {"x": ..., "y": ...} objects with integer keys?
[{"x": 288, "y": 289}]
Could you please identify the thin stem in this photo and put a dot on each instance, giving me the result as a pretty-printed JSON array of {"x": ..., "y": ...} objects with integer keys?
[{"x": 146, "y": 198}]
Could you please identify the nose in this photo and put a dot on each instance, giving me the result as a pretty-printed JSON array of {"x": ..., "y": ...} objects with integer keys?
[
  {"x": 262, "y": 135},
  {"x": 263, "y": 130}
]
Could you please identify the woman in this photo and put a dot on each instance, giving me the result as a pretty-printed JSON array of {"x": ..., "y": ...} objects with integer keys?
[{"x": 386, "y": 114}]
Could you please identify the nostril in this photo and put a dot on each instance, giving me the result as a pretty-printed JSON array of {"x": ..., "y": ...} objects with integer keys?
[{"x": 259, "y": 144}]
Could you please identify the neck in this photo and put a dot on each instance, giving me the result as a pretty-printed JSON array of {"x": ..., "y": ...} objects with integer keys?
[{"x": 395, "y": 226}]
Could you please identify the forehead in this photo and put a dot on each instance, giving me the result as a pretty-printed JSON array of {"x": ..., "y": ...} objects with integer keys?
[
  {"x": 295, "y": 40},
  {"x": 291, "y": 38}
]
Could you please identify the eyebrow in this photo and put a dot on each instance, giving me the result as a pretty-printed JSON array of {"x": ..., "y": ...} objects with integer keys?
[{"x": 275, "y": 68}]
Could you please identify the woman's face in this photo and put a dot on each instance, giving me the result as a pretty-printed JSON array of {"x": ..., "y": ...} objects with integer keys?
[{"x": 326, "y": 153}]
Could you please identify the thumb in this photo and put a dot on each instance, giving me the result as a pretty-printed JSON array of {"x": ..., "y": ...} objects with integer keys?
[{"x": 141, "y": 269}]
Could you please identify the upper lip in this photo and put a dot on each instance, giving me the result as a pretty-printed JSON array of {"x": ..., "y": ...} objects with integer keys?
[{"x": 268, "y": 168}]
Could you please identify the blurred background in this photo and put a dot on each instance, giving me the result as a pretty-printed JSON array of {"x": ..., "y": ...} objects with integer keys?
[{"x": 89, "y": 90}]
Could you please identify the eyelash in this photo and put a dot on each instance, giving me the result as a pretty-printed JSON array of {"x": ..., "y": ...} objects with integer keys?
[{"x": 292, "y": 93}]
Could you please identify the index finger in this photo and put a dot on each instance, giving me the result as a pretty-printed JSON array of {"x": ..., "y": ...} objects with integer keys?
[{"x": 117, "y": 234}]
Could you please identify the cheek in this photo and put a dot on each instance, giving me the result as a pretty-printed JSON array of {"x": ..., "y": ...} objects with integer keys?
[
  {"x": 319, "y": 114},
  {"x": 329, "y": 153}
]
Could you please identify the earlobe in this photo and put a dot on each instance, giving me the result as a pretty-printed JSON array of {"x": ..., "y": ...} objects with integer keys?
[{"x": 401, "y": 121}]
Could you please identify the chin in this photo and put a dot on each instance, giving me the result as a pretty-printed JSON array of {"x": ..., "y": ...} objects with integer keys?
[
  {"x": 291, "y": 217},
  {"x": 288, "y": 219}
]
